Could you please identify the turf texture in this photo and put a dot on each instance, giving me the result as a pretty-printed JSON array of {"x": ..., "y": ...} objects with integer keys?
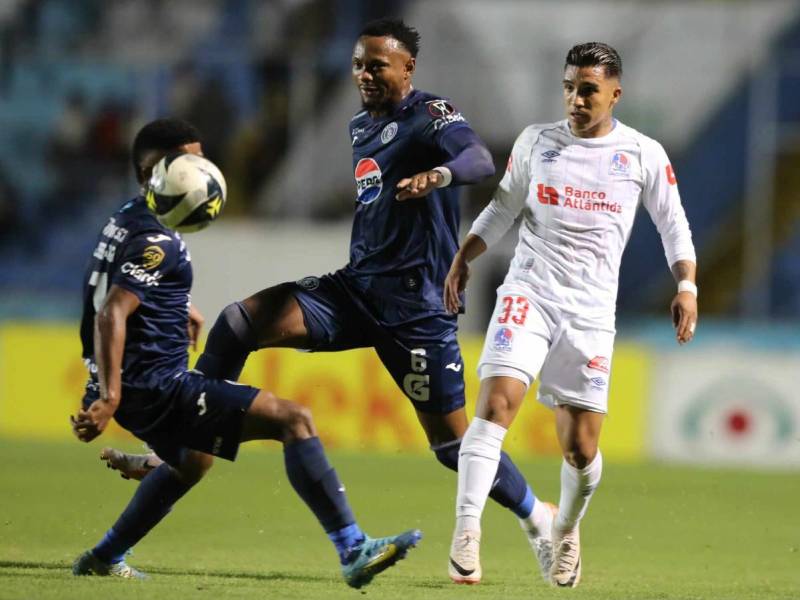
[{"x": 652, "y": 531}]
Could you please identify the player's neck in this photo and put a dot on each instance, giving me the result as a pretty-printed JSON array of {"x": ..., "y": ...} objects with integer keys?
[{"x": 602, "y": 129}]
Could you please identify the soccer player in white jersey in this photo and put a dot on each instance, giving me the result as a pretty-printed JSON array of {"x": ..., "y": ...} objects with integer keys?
[{"x": 577, "y": 184}]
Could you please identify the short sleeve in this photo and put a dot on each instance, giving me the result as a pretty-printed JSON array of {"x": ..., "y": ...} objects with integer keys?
[{"x": 144, "y": 262}]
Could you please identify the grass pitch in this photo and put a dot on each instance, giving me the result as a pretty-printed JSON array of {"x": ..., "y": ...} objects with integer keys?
[{"x": 652, "y": 532}]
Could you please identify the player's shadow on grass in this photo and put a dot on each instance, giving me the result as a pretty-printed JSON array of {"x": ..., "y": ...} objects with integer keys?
[{"x": 6, "y": 565}]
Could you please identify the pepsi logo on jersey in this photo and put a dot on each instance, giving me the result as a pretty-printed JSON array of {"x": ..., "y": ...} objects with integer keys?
[{"x": 369, "y": 180}]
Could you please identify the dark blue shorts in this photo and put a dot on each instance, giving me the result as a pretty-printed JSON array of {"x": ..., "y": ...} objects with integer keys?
[
  {"x": 188, "y": 411},
  {"x": 422, "y": 355}
]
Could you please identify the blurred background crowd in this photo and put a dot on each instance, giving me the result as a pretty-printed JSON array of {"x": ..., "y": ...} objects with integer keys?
[{"x": 267, "y": 83}]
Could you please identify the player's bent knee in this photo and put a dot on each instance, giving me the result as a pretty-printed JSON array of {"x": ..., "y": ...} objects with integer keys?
[
  {"x": 501, "y": 407},
  {"x": 300, "y": 425},
  {"x": 276, "y": 316},
  {"x": 270, "y": 417},
  {"x": 581, "y": 453},
  {"x": 193, "y": 466}
]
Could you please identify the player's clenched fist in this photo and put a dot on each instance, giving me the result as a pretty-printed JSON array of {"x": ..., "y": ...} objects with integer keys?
[
  {"x": 419, "y": 185},
  {"x": 92, "y": 422}
]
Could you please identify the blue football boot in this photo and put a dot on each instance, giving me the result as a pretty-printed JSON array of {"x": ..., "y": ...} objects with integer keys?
[{"x": 373, "y": 556}]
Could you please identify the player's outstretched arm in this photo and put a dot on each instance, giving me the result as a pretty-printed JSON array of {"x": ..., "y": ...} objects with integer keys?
[
  {"x": 470, "y": 162},
  {"x": 684, "y": 305},
  {"x": 457, "y": 277},
  {"x": 109, "y": 345}
]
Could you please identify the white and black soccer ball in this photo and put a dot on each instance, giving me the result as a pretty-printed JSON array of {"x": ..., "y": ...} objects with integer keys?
[{"x": 186, "y": 192}]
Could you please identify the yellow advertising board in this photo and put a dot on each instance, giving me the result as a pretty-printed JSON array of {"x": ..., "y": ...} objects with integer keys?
[{"x": 355, "y": 402}]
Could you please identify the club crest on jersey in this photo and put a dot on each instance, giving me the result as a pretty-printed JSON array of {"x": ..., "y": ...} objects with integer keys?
[
  {"x": 620, "y": 164},
  {"x": 152, "y": 257},
  {"x": 502, "y": 339},
  {"x": 388, "y": 133},
  {"x": 369, "y": 180}
]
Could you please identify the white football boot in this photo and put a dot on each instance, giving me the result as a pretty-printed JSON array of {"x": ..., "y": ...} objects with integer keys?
[
  {"x": 465, "y": 562},
  {"x": 540, "y": 539},
  {"x": 566, "y": 568},
  {"x": 130, "y": 466}
]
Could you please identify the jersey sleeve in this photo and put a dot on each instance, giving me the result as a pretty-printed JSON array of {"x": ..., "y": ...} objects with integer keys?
[
  {"x": 439, "y": 116},
  {"x": 443, "y": 126},
  {"x": 509, "y": 197},
  {"x": 145, "y": 260},
  {"x": 663, "y": 202}
]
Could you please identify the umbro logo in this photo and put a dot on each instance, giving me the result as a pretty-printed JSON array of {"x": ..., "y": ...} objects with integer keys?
[
  {"x": 454, "y": 367},
  {"x": 550, "y": 156}
]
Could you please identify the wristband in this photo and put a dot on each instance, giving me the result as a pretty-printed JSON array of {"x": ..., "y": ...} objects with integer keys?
[
  {"x": 684, "y": 285},
  {"x": 447, "y": 176}
]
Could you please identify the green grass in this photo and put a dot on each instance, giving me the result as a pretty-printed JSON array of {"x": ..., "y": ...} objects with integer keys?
[{"x": 652, "y": 532}]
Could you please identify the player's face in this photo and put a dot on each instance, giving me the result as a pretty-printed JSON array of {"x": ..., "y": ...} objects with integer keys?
[
  {"x": 589, "y": 99},
  {"x": 382, "y": 70},
  {"x": 149, "y": 159}
]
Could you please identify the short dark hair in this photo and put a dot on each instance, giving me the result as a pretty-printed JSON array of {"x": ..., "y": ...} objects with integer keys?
[
  {"x": 593, "y": 54},
  {"x": 396, "y": 28},
  {"x": 161, "y": 135}
]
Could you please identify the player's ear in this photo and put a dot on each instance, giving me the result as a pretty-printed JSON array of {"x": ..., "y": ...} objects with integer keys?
[
  {"x": 411, "y": 65},
  {"x": 616, "y": 95}
]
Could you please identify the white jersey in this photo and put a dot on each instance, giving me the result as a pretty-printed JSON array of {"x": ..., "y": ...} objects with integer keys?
[{"x": 578, "y": 197}]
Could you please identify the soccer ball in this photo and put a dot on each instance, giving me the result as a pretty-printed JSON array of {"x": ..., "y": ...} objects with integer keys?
[{"x": 186, "y": 192}]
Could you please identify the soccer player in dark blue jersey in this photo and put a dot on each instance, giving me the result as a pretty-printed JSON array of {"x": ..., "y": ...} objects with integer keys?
[
  {"x": 135, "y": 334},
  {"x": 411, "y": 151}
]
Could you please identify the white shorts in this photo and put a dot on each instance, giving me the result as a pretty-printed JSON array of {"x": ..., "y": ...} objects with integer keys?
[{"x": 573, "y": 354}]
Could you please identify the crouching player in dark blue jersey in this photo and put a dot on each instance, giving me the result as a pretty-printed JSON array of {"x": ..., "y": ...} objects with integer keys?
[
  {"x": 411, "y": 151},
  {"x": 135, "y": 339}
]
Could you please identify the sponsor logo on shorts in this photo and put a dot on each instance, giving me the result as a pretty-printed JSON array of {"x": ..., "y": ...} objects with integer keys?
[
  {"x": 201, "y": 405},
  {"x": 218, "y": 441},
  {"x": 388, "y": 133},
  {"x": 369, "y": 180},
  {"x": 502, "y": 339},
  {"x": 454, "y": 367},
  {"x": 620, "y": 164},
  {"x": 598, "y": 382},
  {"x": 599, "y": 363},
  {"x": 308, "y": 283}
]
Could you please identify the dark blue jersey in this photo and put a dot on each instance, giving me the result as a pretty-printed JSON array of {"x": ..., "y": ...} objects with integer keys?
[
  {"x": 136, "y": 252},
  {"x": 413, "y": 241}
]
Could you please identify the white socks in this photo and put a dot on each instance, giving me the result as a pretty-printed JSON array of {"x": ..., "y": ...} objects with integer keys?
[
  {"x": 577, "y": 487},
  {"x": 477, "y": 467},
  {"x": 540, "y": 521}
]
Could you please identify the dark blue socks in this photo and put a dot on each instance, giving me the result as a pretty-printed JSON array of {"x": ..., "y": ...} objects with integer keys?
[
  {"x": 154, "y": 497},
  {"x": 316, "y": 482},
  {"x": 509, "y": 488},
  {"x": 229, "y": 342}
]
